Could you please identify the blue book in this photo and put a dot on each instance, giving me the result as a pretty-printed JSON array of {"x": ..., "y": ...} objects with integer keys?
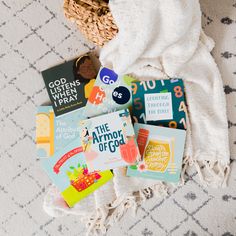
[
  {"x": 68, "y": 171},
  {"x": 109, "y": 141},
  {"x": 54, "y": 133},
  {"x": 161, "y": 151},
  {"x": 111, "y": 92}
]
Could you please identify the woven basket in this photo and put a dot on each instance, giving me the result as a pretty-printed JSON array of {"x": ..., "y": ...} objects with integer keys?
[{"x": 93, "y": 19}]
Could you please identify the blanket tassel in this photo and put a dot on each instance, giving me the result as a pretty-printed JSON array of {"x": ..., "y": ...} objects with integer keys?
[
  {"x": 104, "y": 217},
  {"x": 211, "y": 173}
]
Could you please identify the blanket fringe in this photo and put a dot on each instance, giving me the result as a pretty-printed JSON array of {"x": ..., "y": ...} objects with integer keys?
[
  {"x": 95, "y": 223},
  {"x": 104, "y": 217},
  {"x": 211, "y": 173}
]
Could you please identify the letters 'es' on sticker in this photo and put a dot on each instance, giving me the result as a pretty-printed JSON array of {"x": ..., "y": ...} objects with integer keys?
[{"x": 121, "y": 95}]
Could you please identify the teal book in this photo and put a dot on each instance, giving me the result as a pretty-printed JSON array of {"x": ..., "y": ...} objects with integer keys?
[
  {"x": 109, "y": 141},
  {"x": 111, "y": 92},
  {"x": 69, "y": 84},
  {"x": 54, "y": 133},
  {"x": 161, "y": 151},
  {"x": 159, "y": 102},
  {"x": 68, "y": 171}
]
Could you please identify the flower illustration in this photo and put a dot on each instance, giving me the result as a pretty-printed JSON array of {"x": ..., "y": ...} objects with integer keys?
[{"x": 142, "y": 167}]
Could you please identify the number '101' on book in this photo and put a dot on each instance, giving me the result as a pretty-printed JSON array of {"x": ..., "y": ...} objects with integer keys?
[{"x": 159, "y": 102}]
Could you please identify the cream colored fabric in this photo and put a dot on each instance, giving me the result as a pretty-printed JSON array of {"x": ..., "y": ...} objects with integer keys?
[
  {"x": 156, "y": 40},
  {"x": 161, "y": 39}
]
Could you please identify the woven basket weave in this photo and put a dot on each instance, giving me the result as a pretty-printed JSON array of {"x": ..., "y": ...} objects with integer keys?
[{"x": 93, "y": 19}]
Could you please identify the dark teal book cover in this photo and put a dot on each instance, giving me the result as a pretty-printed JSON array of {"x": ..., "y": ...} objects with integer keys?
[
  {"x": 69, "y": 84},
  {"x": 159, "y": 102}
]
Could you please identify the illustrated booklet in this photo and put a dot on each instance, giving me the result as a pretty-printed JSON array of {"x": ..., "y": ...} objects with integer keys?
[
  {"x": 111, "y": 92},
  {"x": 109, "y": 141},
  {"x": 159, "y": 102},
  {"x": 54, "y": 133},
  {"x": 161, "y": 150},
  {"x": 69, "y": 84},
  {"x": 68, "y": 171}
]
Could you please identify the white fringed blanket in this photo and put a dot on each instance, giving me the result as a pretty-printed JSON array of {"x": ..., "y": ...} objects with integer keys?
[{"x": 156, "y": 40}]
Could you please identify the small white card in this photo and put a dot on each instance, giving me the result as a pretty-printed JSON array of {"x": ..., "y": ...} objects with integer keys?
[{"x": 158, "y": 106}]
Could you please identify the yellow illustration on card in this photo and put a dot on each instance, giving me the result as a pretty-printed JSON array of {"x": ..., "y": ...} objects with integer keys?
[
  {"x": 157, "y": 155},
  {"x": 45, "y": 132}
]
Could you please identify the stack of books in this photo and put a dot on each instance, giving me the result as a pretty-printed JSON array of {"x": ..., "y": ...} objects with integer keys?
[{"x": 100, "y": 120}]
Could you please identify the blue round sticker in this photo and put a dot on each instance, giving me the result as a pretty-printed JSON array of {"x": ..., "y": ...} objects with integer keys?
[
  {"x": 108, "y": 76},
  {"x": 121, "y": 95}
]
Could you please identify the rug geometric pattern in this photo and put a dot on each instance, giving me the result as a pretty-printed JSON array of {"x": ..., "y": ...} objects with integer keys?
[{"x": 34, "y": 35}]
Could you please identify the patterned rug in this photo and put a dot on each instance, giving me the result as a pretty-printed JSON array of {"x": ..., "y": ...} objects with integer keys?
[{"x": 34, "y": 36}]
